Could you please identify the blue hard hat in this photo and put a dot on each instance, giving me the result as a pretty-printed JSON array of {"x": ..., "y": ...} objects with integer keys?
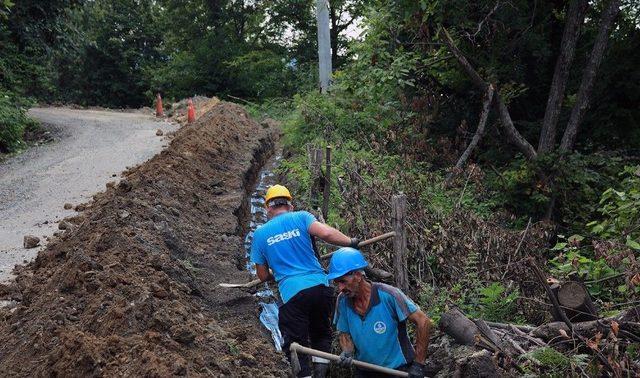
[{"x": 345, "y": 260}]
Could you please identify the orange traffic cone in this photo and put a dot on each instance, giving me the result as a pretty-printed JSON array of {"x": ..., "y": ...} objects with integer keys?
[
  {"x": 159, "y": 110},
  {"x": 191, "y": 112}
]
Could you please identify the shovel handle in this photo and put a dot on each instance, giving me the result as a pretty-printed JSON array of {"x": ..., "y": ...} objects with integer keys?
[
  {"x": 332, "y": 357},
  {"x": 366, "y": 242},
  {"x": 241, "y": 285}
]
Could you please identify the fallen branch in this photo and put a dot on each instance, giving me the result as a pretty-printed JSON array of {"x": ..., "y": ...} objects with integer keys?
[{"x": 523, "y": 328}]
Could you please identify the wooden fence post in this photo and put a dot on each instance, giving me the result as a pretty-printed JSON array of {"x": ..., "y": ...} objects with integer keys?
[
  {"x": 399, "y": 213},
  {"x": 327, "y": 184},
  {"x": 315, "y": 168}
]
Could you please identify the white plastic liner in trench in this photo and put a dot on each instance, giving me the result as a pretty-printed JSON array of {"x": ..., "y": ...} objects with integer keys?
[{"x": 269, "y": 302}]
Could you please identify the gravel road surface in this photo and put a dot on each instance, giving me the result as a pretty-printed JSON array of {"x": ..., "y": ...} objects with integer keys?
[{"x": 90, "y": 149}]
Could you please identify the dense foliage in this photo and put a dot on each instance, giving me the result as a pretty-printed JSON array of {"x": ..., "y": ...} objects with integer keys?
[
  {"x": 121, "y": 53},
  {"x": 399, "y": 116}
]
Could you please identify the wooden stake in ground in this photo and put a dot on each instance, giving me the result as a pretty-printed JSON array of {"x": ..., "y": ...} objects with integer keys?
[
  {"x": 315, "y": 164},
  {"x": 327, "y": 184},
  {"x": 399, "y": 213}
]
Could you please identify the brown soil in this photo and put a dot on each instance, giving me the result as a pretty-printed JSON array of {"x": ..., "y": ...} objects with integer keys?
[
  {"x": 132, "y": 287},
  {"x": 201, "y": 105}
]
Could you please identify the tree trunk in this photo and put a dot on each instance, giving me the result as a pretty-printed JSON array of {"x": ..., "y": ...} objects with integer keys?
[
  {"x": 477, "y": 136},
  {"x": 512, "y": 133},
  {"x": 473, "y": 74},
  {"x": 588, "y": 76},
  {"x": 334, "y": 35},
  {"x": 575, "y": 17}
]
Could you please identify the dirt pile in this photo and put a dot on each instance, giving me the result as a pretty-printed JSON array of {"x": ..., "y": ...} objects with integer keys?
[
  {"x": 131, "y": 287},
  {"x": 201, "y": 104}
]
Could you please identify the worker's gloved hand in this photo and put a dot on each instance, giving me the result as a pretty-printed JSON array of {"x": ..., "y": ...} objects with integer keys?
[
  {"x": 354, "y": 243},
  {"x": 346, "y": 359},
  {"x": 416, "y": 370}
]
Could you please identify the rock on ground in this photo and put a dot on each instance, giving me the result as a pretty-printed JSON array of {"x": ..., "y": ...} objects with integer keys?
[{"x": 31, "y": 241}]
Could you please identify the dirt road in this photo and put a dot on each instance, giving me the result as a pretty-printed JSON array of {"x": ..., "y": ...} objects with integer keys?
[{"x": 90, "y": 149}]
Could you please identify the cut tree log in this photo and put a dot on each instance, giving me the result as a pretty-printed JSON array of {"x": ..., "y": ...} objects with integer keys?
[
  {"x": 576, "y": 301},
  {"x": 455, "y": 324}
]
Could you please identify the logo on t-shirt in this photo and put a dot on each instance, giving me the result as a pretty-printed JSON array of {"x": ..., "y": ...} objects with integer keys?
[
  {"x": 379, "y": 327},
  {"x": 283, "y": 236}
]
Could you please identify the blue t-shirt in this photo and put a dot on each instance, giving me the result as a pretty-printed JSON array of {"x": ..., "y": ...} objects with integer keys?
[
  {"x": 285, "y": 244},
  {"x": 380, "y": 336}
]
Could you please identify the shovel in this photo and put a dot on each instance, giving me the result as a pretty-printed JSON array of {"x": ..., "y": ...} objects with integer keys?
[
  {"x": 296, "y": 348},
  {"x": 256, "y": 282},
  {"x": 249, "y": 284}
]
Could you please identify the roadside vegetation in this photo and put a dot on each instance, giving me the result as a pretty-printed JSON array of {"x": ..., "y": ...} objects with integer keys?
[
  {"x": 400, "y": 115},
  {"x": 556, "y": 180}
]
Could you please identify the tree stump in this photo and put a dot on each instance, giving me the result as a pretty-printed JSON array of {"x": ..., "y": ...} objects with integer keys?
[{"x": 575, "y": 299}]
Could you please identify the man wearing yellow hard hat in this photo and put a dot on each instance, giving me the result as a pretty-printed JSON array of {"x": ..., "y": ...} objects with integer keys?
[{"x": 284, "y": 245}]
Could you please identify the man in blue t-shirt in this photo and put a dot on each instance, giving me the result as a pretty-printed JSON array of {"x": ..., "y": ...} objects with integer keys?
[
  {"x": 284, "y": 245},
  {"x": 372, "y": 319}
]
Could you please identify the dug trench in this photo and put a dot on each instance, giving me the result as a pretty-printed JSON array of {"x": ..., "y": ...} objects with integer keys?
[{"x": 131, "y": 287}]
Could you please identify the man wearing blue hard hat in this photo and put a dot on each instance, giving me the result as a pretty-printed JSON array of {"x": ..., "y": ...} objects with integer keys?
[
  {"x": 284, "y": 245},
  {"x": 371, "y": 318}
]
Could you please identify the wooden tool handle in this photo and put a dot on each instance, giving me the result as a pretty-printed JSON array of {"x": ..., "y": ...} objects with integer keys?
[
  {"x": 241, "y": 285},
  {"x": 365, "y": 242},
  {"x": 377, "y": 238},
  {"x": 361, "y": 364}
]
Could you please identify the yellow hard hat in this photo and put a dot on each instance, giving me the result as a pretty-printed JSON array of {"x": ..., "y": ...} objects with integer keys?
[{"x": 277, "y": 191}]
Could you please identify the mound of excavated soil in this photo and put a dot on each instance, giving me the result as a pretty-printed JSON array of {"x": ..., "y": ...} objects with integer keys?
[
  {"x": 201, "y": 104},
  {"x": 132, "y": 288}
]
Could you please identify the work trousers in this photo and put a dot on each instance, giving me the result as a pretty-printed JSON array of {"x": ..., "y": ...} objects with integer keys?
[{"x": 306, "y": 320}]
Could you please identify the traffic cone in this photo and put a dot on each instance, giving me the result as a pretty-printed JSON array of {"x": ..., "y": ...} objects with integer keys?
[
  {"x": 191, "y": 112},
  {"x": 159, "y": 110}
]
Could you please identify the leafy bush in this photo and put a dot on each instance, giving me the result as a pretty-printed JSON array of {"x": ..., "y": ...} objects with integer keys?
[
  {"x": 620, "y": 210},
  {"x": 614, "y": 244},
  {"x": 13, "y": 122},
  {"x": 525, "y": 188}
]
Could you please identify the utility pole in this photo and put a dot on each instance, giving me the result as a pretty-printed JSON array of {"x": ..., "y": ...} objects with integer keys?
[{"x": 324, "y": 43}]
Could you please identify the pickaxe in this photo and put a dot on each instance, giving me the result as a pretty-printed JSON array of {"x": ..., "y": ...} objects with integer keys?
[
  {"x": 257, "y": 281},
  {"x": 296, "y": 348}
]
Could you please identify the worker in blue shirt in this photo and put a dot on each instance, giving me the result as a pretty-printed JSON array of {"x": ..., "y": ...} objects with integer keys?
[
  {"x": 371, "y": 319},
  {"x": 284, "y": 246}
]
